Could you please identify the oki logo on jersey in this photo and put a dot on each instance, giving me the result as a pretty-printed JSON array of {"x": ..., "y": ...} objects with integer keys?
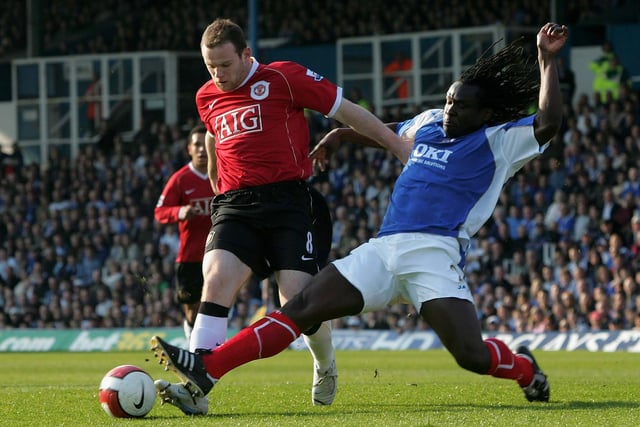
[
  {"x": 236, "y": 122},
  {"x": 424, "y": 152}
]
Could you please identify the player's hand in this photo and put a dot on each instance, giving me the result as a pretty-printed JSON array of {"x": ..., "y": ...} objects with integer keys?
[
  {"x": 186, "y": 213},
  {"x": 552, "y": 37},
  {"x": 324, "y": 149}
]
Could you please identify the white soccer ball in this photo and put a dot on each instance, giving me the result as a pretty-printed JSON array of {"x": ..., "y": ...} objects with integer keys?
[{"x": 127, "y": 391}]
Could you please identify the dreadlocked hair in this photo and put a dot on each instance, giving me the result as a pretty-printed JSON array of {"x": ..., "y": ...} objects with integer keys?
[{"x": 509, "y": 81}]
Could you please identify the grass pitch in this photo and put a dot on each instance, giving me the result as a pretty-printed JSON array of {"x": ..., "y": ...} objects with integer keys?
[{"x": 376, "y": 388}]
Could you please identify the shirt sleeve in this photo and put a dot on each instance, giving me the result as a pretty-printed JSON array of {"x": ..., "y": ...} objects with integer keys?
[
  {"x": 409, "y": 128},
  {"x": 518, "y": 142},
  {"x": 169, "y": 203},
  {"x": 309, "y": 89}
]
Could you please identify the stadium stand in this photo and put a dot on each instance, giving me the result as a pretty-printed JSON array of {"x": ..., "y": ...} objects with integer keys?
[
  {"x": 72, "y": 27},
  {"x": 80, "y": 248}
]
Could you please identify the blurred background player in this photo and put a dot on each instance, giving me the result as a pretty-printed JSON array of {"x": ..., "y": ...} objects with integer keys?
[
  {"x": 186, "y": 200},
  {"x": 265, "y": 211}
]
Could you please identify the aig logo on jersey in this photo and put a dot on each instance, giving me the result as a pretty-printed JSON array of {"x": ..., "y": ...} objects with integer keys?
[
  {"x": 236, "y": 122},
  {"x": 202, "y": 206},
  {"x": 260, "y": 90},
  {"x": 317, "y": 77}
]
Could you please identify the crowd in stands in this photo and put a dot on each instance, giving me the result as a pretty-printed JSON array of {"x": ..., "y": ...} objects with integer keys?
[
  {"x": 79, "y": 247},
  {"x": 72, "y": 27}
]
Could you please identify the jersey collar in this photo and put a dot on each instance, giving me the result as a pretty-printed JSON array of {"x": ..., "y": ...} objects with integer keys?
[
  {"x": 252, "y": 71},
  {"x": 197, "y": 172}
]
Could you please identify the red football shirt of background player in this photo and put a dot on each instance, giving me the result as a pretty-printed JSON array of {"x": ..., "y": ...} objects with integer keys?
[{"x": 187, "y": 187}]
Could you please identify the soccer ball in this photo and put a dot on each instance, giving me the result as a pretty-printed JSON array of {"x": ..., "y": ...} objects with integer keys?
[{"x": 127, "y": 391}]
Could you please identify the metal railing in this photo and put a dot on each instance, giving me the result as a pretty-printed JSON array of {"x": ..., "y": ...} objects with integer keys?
[{"x": 437, "y": 58}]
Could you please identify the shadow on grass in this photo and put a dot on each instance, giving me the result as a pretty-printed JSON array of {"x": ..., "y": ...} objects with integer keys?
[
  {"x": 613, "y": 404},
  {"x": 535, "y": 406},
  {"x": 376, "y": 408},
  {"x": 539, "y": 406}
]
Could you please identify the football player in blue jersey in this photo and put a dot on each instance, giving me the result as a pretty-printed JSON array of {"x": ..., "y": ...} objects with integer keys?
[{"x": 457, "y": 160}]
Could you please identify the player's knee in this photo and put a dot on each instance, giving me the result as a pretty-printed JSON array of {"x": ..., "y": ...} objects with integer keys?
[
  {"x": 302, "y": 311},
  {"x": 312, "y": 330},
  {"x": 296, "y": 306},
  {"x": 470, "y": 365},
  {"x": 471, "y": 361},
  {"x": 184, "y": 295}
]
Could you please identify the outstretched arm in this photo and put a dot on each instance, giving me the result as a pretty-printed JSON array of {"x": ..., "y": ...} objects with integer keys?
[
  {"x": 371, "y": 129},
  {"x": 551, "y": 38},
  {"x": 330, "y": 143}
]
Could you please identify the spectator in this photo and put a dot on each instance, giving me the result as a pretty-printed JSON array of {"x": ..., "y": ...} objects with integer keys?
[
  {"x": 599, "y": 68},
  {"x": 399, "y": 68},
  {"x": 555, "y": 209},
  {"x": 567, "y": 80},
  {"x": 610, "y": 205},
  {"x": 93, "y": 104},
  {"x": 11, "y": 158},
  {"x": 356, "y": 97}
]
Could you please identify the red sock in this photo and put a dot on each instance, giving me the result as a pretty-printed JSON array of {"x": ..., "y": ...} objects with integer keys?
[
  {"x": 265, "y": 338},
  {"x": 505, "y": 364}
]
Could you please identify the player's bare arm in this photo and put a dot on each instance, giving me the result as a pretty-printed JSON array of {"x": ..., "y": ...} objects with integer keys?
[
  {"x": 551, "y": 38},
  {"x": 368, "y": 125},
  {"x": 212, "y": 165},
  {"x": 329, "y": 144}
]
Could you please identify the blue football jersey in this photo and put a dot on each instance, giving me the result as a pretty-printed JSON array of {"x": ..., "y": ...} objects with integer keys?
[{"x": 450, "y": 186}]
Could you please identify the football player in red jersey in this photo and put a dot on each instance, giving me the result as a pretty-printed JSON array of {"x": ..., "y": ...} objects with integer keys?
[
  {"x": 263, "y": 215},
  {"x": 186, "y": 200}
]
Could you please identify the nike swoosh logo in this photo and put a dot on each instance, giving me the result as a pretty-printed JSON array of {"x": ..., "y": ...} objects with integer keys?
[
  {"x": 187, "y": 192},
  {"x": 306, "y": 258},
  {"x": 139, "y": 404}
]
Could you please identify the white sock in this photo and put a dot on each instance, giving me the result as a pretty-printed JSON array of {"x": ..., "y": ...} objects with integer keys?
[
  {"x": 208, "y": 332},
  {"x": 187, "y": 329},
  {"x": 321, "y": 346}
]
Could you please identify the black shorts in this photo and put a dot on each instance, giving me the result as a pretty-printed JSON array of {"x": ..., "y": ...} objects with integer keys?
[
  {"x": 190, "y": 282},
  {"x": 270, "y": 227}
]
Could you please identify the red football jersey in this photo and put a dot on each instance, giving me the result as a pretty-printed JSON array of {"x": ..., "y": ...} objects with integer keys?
[
  {"x": 261, "y": 133},
  {"x": 187, "y": 186}
]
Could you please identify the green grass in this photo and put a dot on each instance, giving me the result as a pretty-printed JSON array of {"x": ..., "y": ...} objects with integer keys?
[{"x": 377, "y": 388}]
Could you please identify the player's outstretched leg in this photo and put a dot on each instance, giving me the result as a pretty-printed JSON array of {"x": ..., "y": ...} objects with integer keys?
[
  {"x": 178, "y": 395},
  {"x": 186, "y": 365},
  {"x": 538, "y": 389}
]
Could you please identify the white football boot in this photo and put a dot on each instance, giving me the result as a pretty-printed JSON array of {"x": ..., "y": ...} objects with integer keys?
[
  {"x": 177, "y": 394},
  {"x": 325, "y": 385}
]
